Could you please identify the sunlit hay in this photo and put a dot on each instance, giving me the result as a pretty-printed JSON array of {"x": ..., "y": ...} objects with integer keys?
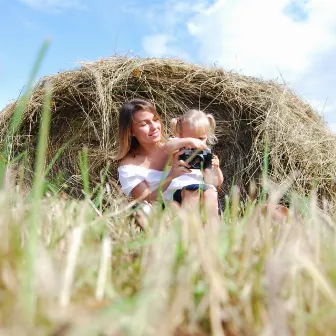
[{"x": 248, "y": 111}]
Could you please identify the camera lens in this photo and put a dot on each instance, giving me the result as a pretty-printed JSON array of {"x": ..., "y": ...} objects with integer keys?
[{"x": 197, "y": 162}]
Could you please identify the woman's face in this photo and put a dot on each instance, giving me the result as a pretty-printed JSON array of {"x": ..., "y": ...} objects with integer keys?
[{"x": 146, "y": 127}]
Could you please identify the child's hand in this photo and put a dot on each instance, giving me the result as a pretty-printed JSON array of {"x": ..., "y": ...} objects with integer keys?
[
  {"x": 215, "y": 162},
  {"x": 214, "y": 175},
  {"x": 210, "y": 177}
]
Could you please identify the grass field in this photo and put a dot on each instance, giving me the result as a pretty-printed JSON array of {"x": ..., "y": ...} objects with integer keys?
[
  {"x": 68, "y": 269},
  {"x": 83, "y": 267}
]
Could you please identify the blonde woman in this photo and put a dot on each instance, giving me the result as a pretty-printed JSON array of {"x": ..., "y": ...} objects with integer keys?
[{"x": 143, "y": 154}]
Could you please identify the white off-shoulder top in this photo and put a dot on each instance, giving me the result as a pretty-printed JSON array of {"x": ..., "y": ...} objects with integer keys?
[
  {"x": 131, "y": 175},
  {"x": 195, "y": 177}
]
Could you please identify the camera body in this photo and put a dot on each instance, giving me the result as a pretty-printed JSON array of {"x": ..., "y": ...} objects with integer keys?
[{"x": 197, "y": 159}]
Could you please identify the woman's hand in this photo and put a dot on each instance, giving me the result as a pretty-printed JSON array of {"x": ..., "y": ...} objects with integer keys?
[
  {"x": 176, "y": 144},
  {"x": 179, "y": 167},
  {"x": 194, "y": 143}
]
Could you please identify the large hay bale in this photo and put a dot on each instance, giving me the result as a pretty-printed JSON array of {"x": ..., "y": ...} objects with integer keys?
[{"x": 86, "y": 103}]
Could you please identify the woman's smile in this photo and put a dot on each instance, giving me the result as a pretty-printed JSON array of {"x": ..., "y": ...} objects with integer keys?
[{"x": 155, "y": 133}]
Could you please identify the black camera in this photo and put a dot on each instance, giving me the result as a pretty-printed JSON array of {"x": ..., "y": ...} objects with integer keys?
[{"x": 197, "y": 159}]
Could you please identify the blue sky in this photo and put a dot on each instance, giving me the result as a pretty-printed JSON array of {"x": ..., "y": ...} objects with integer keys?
[{"x": 291, "y": 40}]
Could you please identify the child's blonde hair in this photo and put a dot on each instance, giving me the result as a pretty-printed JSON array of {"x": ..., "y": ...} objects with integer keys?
[{"x": 199, "y": 121}]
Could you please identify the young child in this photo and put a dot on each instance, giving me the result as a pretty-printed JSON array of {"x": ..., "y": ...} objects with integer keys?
[{"x": 195, "y": 129}]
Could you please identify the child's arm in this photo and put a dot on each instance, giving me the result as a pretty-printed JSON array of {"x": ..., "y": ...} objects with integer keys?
[
  {"x": 175, "y": 144},
  {"x": 217, "y": 170},
  {"x": 214, "y": 176}
]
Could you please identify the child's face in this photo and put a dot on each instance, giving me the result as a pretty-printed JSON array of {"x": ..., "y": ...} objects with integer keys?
[{"x": 190, "y": 132}]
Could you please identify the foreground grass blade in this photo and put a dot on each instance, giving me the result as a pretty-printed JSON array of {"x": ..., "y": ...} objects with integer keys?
[
  {"x": 37, "y": 193},
  {"x": 84, "y": 168},
  {"x": 16, "y": 118}
]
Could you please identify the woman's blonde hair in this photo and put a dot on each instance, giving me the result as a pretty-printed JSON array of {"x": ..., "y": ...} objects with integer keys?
[
  {"x": 197, "y": 120},
  {"x": 126, "y": 142}
]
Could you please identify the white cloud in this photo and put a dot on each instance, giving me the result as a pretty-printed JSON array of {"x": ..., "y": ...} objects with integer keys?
[
  {"x": 161, "y": 45},
  {"x": 165, "y": 19},
  {"x": 318, "y": 105},
  {"x": 332, "y": 126},
  {"x": 262, "y": 38},
  {"x": 290, "y": 40},
  {"x": 166, "y": 15},
  {"x": 156, "y": 45},
  {"x": 53, "y": 5}
]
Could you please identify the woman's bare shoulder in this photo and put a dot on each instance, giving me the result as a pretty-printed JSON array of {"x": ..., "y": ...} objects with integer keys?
[
  {"x": 131, "y": 160},
  {"x": 127, "y": 160}
]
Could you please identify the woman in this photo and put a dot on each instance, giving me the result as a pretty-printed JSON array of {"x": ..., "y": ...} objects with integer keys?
[{"x": 143, "y": 159}]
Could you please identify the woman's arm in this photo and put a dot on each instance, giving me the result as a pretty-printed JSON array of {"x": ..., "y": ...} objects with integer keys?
[
  {"x": 173, "y": 145},
  {"x": 142, "y": 190}
]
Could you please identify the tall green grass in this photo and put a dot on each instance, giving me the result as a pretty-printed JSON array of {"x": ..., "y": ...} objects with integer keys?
[
  {"x": 18, "y": 112},
  {"x": 37, "y": 194}
]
